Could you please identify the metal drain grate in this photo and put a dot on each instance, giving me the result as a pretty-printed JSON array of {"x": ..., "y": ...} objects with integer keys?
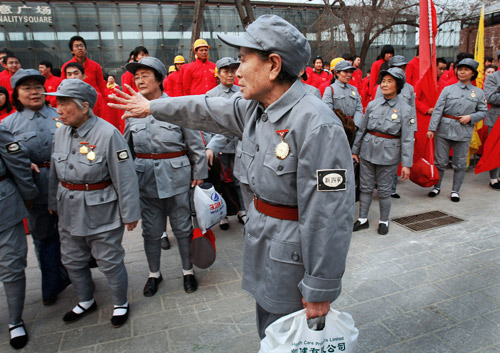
[{"x": 427, "y": 220}]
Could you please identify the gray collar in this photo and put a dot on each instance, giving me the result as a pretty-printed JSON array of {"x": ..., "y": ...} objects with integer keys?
[
  {"x": 286, "y": 102},
  {"x": 45, "y": 112},
  {"x": 87, "y": 126}
]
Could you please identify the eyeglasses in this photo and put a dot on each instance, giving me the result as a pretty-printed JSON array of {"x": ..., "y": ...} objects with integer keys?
[
  {"x": 78, "y": 46},
  {"x": 142, "y": 77}
]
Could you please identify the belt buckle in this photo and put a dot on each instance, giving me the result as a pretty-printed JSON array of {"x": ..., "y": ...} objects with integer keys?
[{"x": 87, "y": 187}]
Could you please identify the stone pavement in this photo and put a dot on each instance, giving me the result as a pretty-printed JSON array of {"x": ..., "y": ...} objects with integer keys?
[{"x": 436, "y": 291}]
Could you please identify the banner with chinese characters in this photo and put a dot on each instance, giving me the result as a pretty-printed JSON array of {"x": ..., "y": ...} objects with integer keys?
[{"x": 25, "y": 14}]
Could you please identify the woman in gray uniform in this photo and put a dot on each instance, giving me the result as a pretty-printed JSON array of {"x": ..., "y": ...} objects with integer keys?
[
  {"x": 33, "y": 125},
  {"x": 164, "y": 170},
  {"x": 384, "y": 139},
  {"x": 93, "y": 187},
  {"x": 16, "y": 185},
  {"x": 458, "y": 108}
]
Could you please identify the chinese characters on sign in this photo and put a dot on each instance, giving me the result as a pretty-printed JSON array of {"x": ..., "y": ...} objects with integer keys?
[{"x": 25, "y": 14}]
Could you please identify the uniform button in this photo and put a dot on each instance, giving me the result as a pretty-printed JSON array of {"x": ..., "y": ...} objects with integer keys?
[
  {"x": 152, "y": 121},
  {"x": 70, "y": 166},
  {"x": 264, "y": 117},
  {"x": 157, "y": 164},
  {"x": 73, "y": 152},
  {"x": 257, "y": 148},
  {"x": 3, "y": 193},
  {"x": 46, "y": 143},
  {"x": 75, "y": 136},
  {"x": 102, "y": 199},
  {"x": 71, "y": 197},
  {"x": 295, "y": 256},
  {"x": 42, "y": 129},
  {"x": 280, "y": 168},
  {"x": 253, "y": 181}
]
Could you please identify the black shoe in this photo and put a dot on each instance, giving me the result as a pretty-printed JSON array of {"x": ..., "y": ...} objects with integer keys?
[
  {"x": 495, "y": 186},
  {"x": 224, "y": 224},
  {"x": 165, "y": 244},
  {"x": 395, "y": 196},
  {"x": 455, "y": 197},
  {"x": 434, "y": 192},
  {"x": 383, "y": 229},
  {"x": 242, "y": 217},
  {"x": 71, "y": 316},
  {"x": 19, "y": 341},
  {"x": 190, "y": 284},
  {"x": 358, "y": 226},
  {"x": 119, "y": 320},
  {"x": 151, "y": 286}
]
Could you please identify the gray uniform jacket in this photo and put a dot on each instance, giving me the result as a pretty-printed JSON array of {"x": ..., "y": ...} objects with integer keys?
[
  {"x": 83, "y": 213},
  {"x": 458, "y": 100},
  {"x": 280, "y": 255},
  {"x": 163, "y": 178},
  {"x": 18, "y": 183},
  {"x": 391, "y": 117},
  {"x": 221, "y": 143},
  {"x": 492, "y": 93},
  {"x": 407, "y": 95},
  {"x": 35, "y": 132},
  {"x": 346, "y": 98},
  {"x": 313, "y": 90}
]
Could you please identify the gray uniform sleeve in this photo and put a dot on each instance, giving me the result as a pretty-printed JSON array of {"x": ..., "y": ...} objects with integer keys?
[
  {"x": 328, "y": 97},
  {"x": 358, "y": 114},
  {"x": 18, "y": 164},
  {"x": 326, "y": 217},
  {"x": 356, "y": 147},
  {"x": 437, "y": 114},
  {"x": 492, "y": 89},
  {"x": 196, "y": 153},
  {"x": 53, "y": 183},
  {"x": 212, "y": 114},
  {"x": 122, "y": 172},
  {"x": 481, "y": 109},
  {"x": 218, "y": 143},
  {"x": 407, "y": 132}
]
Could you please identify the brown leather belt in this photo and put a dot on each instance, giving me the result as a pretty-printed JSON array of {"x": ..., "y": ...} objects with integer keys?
[
  {"x": 379, "y": 134},
  {"x": 276, "y": 211},
  {"x": 3, "y": 177},
  {"x": 166, "y": 155},
  {"x": 43, "y": 165},
  {"x": 451, "y": 117},
  {"x": 86, "y": 187}
]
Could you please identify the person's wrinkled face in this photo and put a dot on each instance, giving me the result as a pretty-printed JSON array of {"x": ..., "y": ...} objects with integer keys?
[
  {"x": 345, "y": 76},
  {"x": 227, "y": 75},
  {"x": 388, "y": 86},
  {"x": 441, "y": 67},
  {"x": 357, "y": 62},
  {"x": 318, "y": 64},
  {"x": 202, "y": 53},
  {"x": 3, "y": 99},
  {"x": 75, "y": 73},
  {"x": 12, "y": 65},
  {"x": 387, "y": 56},
  {"x": 29, "y": 94},
  {"x": 253, "y": 75},
  {"x": 78, "y": 49},
  {"x": 146, "y": 82},
  {"x": 70, "y": 113},
  {"x": 464, "y": 74},
  {"x": 488, "y": 72}
]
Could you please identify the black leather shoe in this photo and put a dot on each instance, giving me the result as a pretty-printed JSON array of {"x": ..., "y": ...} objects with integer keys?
[
  {"x": 165, "y": 244},
  {"x": 383, "y": 229},
  {"x": 151, "y": 286},
  {"x": 71, "y": 316},
  {"x": 358, "y": 226},
  {"x": 190, "y": 284},
  {"x": 434, "y": 192},
  {"x": 395, "y": 196},
  {"x": 224, "y": 224},
  {"x": 455, "y": 197},
  {"x": 495, "y": 186},
  {"x": 19, "y": 341},
  {"x": 119, "y": 320}
]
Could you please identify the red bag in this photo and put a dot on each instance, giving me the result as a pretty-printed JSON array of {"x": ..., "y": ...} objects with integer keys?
[
  {"x": 424, "y": 172},
  {"x": 202, "y": 249}
]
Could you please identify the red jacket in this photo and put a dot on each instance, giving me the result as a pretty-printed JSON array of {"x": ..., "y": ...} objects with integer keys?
[
  {"x": 412, "y": 71},
  {"x": 170, "y": 84},
  {"x": 5, "y": 81},
  {"x": 374, "y": 77},
  {"x": 93, "y": 73},
  {"x": 115, "y": 115},
  {"x": 4, "y": 113},
  {"x": 365, "y": 94},
  {"x": 357, "y": 79},
  {"x": 198, "y": 77},
  {"x": 128, "y": 78},
  {"x": 317, "y": 79},
  {"x": 51, "y": 85}
]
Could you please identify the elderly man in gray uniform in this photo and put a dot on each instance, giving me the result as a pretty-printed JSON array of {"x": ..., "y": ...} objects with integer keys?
[
  {"x": 16, "y": 185},
  {"x": 298, "y": 164},
  {"x": 492, "y": 93},
  {"x": 384, "y": 139},
  {"x": 222, "y": 146},
  {"x": 164, "y": 170},
  {"x": 458, "y": 108},
  {"x": 34, "y": 125},
  {"x": 93, "y": 187}
]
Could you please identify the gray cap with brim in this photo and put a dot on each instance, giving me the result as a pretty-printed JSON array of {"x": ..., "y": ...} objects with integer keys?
[
  {"x": 395, "y": 72},
  {"x": 397, "y": 60},
  {"x": 148, "y": 62},
  {"x": 470, "y": 63},
  {"x": 226, "y": 61},
  {"x": 23, "y": 75},
  {"x": 344, "y": 65},
  {"x": 75, "y": 88},
  {"x": 271, "y": 33}
]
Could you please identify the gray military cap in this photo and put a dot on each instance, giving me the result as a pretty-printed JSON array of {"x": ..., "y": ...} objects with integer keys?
[
  {"x": 75, "y": 88},
  {"x": 226, "y": 61},
  {"x": 271, "y": 33},
  {"x": 397, "y": 60},
  {"x": 148, "y": 62},
  {"x": 395, "y": 72},
  {"x": 23, "y": 75},
  {"x": 344, "y": 65},
  {"x": 470, "y": 63}
]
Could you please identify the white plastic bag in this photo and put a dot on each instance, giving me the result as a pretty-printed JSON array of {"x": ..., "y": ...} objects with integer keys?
[
  {"x": 210, "y": 207},
  {"x": 290, "y": 334}
]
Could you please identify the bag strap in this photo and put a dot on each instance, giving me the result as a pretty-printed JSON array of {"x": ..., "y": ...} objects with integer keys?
[
  {"x": 333, "y": 102},
  {"x": 429, "y": 151}
]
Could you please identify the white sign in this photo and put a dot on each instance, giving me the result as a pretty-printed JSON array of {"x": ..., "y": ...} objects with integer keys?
[{"x": 24, "y": 14}]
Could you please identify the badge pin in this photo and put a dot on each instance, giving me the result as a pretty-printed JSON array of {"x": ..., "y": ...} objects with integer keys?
[
  {"x": 473, "y": 95},
  {"x": 282, "y": 149},
  {"x": 353, "y": 93},
  {"x": 91, "y": 154},
  {"x": 394, "y": 116},
  {"x": 58, "y": 122},
  {"x": 83, "y": 148}
]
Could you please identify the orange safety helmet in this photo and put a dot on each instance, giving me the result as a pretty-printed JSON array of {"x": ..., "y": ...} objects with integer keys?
[
  {"x": 179, "y": 59},
  {"x": 171, "y": 68},
  {"x": 200, "y": 43}
]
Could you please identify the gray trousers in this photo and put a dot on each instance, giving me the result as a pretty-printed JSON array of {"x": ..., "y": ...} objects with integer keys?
[
  {"x": 108, "y": 251},
  {"x": 13, "y": 252},
  {"x": 458, "y": 160},
  {"x": 370, "y": 174},
  {"x": 264, "y": 319},
  {"x": 227, "y": 162},
  {"x": 154, "y": 214},
  {"x": 494, "y": 172}
]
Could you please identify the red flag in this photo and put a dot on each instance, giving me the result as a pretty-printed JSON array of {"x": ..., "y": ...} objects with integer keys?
[{"x": 491, "y": 156}]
